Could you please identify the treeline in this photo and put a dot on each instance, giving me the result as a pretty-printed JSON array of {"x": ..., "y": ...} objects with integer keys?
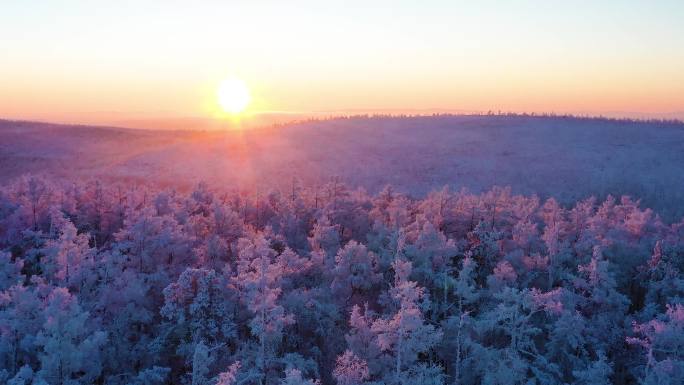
[
  {"x": 135, "y": 285},
  {"x": 489, "y": 114}
]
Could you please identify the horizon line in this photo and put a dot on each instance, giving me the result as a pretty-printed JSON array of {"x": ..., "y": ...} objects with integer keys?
[{"x": 369, "y": 115}]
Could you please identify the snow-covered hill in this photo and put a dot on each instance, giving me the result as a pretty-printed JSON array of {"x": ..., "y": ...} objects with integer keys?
[{"x": 566, "y": 158}]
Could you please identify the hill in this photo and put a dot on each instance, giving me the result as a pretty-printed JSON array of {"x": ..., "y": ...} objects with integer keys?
[{"x": 568, "y": 158}]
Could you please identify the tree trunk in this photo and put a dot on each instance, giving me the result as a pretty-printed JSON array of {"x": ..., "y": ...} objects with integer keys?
[{"x": 399, "y": 345}]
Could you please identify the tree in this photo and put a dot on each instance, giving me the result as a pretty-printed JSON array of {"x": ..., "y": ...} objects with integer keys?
[
  {"x": 404, "y": 334},
  {"x": 600, "y": 302},
  {"x": 70, "y": 259},
  {"x": 201, "y": 360},
  {"x": 597, "y": 373},
  {"x": 455, "y": 326},
  {"x": 294, "y": 377},
  {"x": 350, "y": 369},
  {"x": 355, "y": 272},
  {"x": 152, "y": 376},
  {"x": 36, "y": 194},
  {"x": 22, "y": 317},
  {"x": 431, "y": 257},
  {"x": 390, "y": 209},
  {"x": 662, "y": 340},
  {"x": 362, "y": 340},
  {"x": 503, "y": 350},
  {"x": 258, "y": 277},
  {"x": 70, "y": 352},
  {"x": 10, "y": 271},
  {"x": 663, "y": 278},
  {"x": 200, "y": 318},
  {"x": 295, "y": 268},
  {"x": 504, "y": 275},
  {"x": 153, "y": 241},
  {"x": 484, "y": 247},
  {"x": 325, "y": 242},
  {"x": 26, "y": 376},
  {"x": 127, "y": 306},
  {"x": 229, "y": 377}
]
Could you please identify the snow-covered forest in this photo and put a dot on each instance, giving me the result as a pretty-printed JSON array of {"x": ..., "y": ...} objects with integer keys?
[
  {"x": 562, "y": 157},
  {"x": 109, "y": 283}
]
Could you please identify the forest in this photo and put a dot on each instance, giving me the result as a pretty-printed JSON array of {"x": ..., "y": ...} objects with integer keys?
[
  {"x": 568, "y": 158},
  {"x": 108, "y": 283}
]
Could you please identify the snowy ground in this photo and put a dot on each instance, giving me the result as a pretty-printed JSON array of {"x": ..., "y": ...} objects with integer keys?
[{"x": 562, "y": 157}]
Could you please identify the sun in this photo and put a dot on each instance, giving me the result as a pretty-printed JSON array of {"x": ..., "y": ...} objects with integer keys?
[{"x": 233, "y": 95}]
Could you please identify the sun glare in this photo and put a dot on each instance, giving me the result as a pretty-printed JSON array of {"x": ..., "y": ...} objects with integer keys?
[{"x": 233, "y": 95}]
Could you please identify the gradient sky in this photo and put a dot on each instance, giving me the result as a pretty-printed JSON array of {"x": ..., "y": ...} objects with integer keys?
[{"x": 98, "y": 61}]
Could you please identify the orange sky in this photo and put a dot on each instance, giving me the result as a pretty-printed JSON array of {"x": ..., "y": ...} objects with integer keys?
[{"x": 102, "y": 63}]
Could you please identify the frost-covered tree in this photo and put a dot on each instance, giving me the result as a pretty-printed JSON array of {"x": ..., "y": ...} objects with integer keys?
[
  {"x": 139, "y": 284},
  {"x": 258, "y": 277},
  {"x": 355, "y": 272},
  {"x": 151, "y": 241},
  {"x": 201, "y": 361},
  {"x": 294, "y": 377},
  {"x": 662, "y": 341},
  {"x": 663, "y": 278},
  {"x": 350, "y": 369},
  {"x": 69, "y": 259},
  {"x": 458, "y": 321},
  {"x": 198, "y": 302},
  {"x": 155, "y": 375},
  {"x": 70, "y": 353},
  {"x": 484, "y": 247},
  {"x": 601, "y": 303},
  {"x": 597, "y": 373},
  {"x": 21, "y": 319},
  {"x": 26, "y": 376},
  {"x": 431, "y": 257},
  {"x": 229, "y": 377},
  {"x": 199, "y": 316},
  {"x": 362, "y": 339},
  {"x": 325, "y": 242},
  {"x": 10, "y": 271},
  {"x": 403, "y": 334},
  {"x": 503, "y": 350}
]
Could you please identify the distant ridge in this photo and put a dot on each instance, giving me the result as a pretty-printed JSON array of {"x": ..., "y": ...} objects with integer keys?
[
  {"x": 563, "y": 156},
  {"x": 280, "y": 118}
]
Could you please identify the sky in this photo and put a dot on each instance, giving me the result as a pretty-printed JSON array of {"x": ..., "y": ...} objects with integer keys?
[{"x": 103, "y": 61}]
